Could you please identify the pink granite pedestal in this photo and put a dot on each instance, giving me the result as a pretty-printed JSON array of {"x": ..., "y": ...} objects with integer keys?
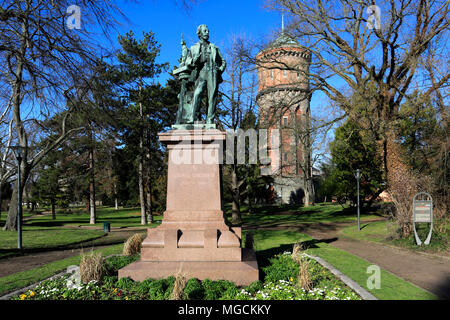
[{"x": 193, "y": 237}]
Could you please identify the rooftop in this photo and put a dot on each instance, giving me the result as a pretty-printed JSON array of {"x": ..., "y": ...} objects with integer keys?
[{"x": 284, "y": 40}]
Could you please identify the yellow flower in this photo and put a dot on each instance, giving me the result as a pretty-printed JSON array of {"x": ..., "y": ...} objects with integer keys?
[
  {"x": 126, "y": 298},
  {"x": 290, "y": 279},
  {"x": 93, "y": 291},
  {"x": 32, "y": 294},
  {"x": 115, "y": 290},
  {"x": 23, "y": 296}
]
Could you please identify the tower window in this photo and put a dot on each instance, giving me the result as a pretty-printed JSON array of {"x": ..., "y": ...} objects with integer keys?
[
  {"x": 285, "y": 121},
  {"x": 285, "y": 73},
  {"x": 271, "y": 74},
  {"x": 285, "y": 156},
  {"x": 298, "y": 75}
]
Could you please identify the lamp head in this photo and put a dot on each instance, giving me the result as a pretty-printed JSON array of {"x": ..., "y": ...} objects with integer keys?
[{"x": 18, "y": 152}]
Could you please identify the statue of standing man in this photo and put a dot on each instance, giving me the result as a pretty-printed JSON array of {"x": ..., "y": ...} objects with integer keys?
[{"x": 204, "y": 64}]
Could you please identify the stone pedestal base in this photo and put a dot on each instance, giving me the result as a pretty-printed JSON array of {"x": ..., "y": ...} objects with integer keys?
[
  {"x": 242, "y": 273},
  {"x": 194, "y": 237}
]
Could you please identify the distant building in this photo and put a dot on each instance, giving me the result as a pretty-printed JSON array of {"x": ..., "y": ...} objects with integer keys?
[{"x": 284, "y": 104}]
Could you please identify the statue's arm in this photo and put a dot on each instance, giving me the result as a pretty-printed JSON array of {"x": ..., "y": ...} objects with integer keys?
[
  {"x": 194, "y": 55},
  {"x": 223, "y": 65}
]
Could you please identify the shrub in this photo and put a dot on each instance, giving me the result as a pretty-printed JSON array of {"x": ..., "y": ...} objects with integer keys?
[
  {"x": 91, "y": 267},
  {"x": 254, "y": 287},
  {"x": 194, "y": 290},
  {"x": 282, "y": 267},
  {"x": 127, "y": 284},
  {"x": 133, "y": 244},
  {"x": 230, "y": 290},
  {"x": 160, "y": 289},
  {"x": 324, "y": 286},
  {"x": 144, "y": 287},
  {"x": 214, "y": 290},
  {"x": 113, "y": 264},
  {"x": 110, "y": 281}
]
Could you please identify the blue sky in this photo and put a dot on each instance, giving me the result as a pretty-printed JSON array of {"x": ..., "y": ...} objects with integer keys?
[{"x": 168, "y": 19}]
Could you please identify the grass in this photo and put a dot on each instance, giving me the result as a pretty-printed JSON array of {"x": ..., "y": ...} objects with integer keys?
[
  {"x": 392, "y": 287},
  {"x": 381, "y": 232},
  {"x": 126, "y": 217},
  {"x": 44, "y": 239},
  {"x": 293, "y": 215},
  {"x": 42, "y": 233},
  {"x": 267, "y": 243},
  {"x": 22, "y": 279},
  {"x": 271, "y": 242}
]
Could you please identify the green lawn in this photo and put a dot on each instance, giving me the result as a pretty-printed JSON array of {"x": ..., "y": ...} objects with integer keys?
[
  {"x": 392, "y": 287},
  {"x": 270, "y": 242},
  {"x": 292, "y": 215},
  {"x": 42, "y": 233},
  {"x": 22, "y": 279},
  {"x": 382, "y": 231},
  {"x": 127, "y": 217},
  {"x": 42, "y": 239}
]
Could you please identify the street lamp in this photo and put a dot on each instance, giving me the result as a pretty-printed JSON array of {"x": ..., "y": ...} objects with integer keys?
[
  {"x": 18, "y": 153},
  {"x": 358, "y": 176}
]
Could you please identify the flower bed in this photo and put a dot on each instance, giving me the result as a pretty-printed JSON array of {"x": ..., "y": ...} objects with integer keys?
[{"x": 280, "y": 284}]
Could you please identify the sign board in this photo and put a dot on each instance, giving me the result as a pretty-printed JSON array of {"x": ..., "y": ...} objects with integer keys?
[
  {"x": 422, "y": 213},
  {"x": 422, "y": 210}
]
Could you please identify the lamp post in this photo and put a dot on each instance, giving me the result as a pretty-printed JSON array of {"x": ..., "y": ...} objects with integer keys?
[
  {"x": 18, "y": 153},
  {"x": 358, "y": 176}
]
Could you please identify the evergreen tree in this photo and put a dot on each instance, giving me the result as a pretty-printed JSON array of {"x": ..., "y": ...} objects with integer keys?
[{"x": 352, "y": 150}]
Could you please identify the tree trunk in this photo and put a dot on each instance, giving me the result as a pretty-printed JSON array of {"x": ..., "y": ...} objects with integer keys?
[
  {"x": 309, "y": 192},
  {"x": 1, "y": 201},
  {"x": 141, "y": 167},
  {"x": 92, "y": 208},
  {"x": 116, "y": 199},
  {"x": 235, "y": 206},
  {"x": 28, "y": 201},
  {"x": 53, "y": 209},
  {"x": 401, "y": 182},
  {"x": 149, "y": 202},
  {"x": 11, "y": 219},
  {"x": 141, "y": 190},
  {"x": 250, "y": 203}
]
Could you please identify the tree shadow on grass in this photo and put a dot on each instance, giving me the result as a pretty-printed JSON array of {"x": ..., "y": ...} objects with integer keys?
[
  {"x": 92, "y": 242},
  {"x": 99, "y": 220}
]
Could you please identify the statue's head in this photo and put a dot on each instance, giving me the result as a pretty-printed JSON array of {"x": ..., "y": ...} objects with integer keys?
[{"x": 203, "y": 32}]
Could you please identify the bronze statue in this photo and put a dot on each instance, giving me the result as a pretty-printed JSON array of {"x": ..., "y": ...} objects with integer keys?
[{"x": 200, "y": 69}]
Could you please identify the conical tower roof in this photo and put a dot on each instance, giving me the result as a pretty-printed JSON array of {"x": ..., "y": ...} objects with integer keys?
[{"x": 284, "y": 40}]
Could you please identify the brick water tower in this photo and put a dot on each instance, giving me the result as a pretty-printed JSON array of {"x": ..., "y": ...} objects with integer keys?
[{"x": 284, "y": 104}]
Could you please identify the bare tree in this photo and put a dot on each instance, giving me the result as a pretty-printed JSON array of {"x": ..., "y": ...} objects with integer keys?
[
  {"x": 378, "y": 52},
  {"x": 42, "y": 59},
  {"x": 238, "y": 93}
]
